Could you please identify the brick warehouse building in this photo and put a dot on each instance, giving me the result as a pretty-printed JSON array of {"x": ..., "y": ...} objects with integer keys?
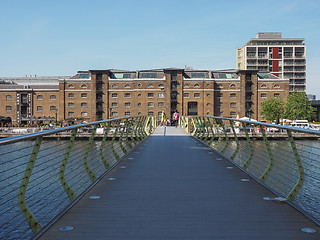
[{"x": 101, "y": 94}]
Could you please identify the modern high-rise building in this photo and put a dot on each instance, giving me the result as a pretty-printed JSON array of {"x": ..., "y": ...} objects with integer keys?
[{"x": 283, "y": 57}]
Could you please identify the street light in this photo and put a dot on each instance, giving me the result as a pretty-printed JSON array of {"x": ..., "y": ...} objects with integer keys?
[{"x": 56, "y": 116}]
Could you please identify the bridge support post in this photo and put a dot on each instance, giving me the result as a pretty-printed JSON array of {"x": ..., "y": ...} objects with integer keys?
[
  {"x": 120, "y": 138},
  {"x": 226, "y": 137},
  {"x": 128, "y": 125},
  {"x": 219, "y": 134},
  {"x": 247, "y": 163},
  {"x": 212, "y": 138},
  {"x": 292, "y": 195},
  {"x": 85, "y": 159},
  {"x": 31, "y": 220},
  {"x": 113, "y": 140},
  {"x": 105, "y": 162},
  {"x": 236, "y": 139},
  {"x": 133, "y": 131},
  {"x": 266, "y": 174},
  {"x": 63, "y": 181}
]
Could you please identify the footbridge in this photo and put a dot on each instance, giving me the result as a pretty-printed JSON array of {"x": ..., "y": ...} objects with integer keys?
[{"x": 128, "y": 178}]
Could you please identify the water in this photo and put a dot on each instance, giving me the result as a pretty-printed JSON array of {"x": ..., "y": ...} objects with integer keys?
[{"x": 46, "y": 197}]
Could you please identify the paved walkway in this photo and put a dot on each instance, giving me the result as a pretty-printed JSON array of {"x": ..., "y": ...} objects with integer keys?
[{"x": 174, "y": 187}]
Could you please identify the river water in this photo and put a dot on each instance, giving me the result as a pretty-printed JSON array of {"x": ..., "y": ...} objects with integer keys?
[{"x": 46, "y": 197}]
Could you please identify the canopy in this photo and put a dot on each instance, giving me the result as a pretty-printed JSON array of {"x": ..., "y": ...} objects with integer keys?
[{"x": 248, "y": 119}]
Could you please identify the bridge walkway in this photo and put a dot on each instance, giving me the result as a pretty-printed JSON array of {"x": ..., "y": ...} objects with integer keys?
[{"x": 174, "y": 187}]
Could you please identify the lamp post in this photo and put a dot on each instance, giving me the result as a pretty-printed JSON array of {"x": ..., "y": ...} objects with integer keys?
[{"x": 56, "y": 116}]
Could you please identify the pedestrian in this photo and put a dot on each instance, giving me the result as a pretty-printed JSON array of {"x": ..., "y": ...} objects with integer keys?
[
  {"x": 163, "y": 118},
  {"x": 175, "y": 118}
]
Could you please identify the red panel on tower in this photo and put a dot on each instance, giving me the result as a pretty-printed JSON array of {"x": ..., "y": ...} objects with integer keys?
[
  {"x": 275, "y": 53},
  {"x": 275, "y": 63}
]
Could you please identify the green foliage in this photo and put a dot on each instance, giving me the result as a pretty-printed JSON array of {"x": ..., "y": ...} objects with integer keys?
[
  {"x": 298, "y": 106},
  {"x": 273, "y": 109}
]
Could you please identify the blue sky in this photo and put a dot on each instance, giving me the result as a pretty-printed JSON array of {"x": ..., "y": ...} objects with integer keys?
[{"x": 61, "y": 37}]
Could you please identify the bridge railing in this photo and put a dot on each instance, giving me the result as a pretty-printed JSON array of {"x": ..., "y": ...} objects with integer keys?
[
  {"x": 45, "y": 173},
  {"x": 284, "y": 159}
]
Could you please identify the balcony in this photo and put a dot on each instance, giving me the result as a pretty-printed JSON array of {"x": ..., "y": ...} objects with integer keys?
[
  {"x": 288, "y": 69},
  {"x": 262, "y": 62},
  {"x": 288, "y": 55},
  {"x": 252, "y": 68},
  {"x": 299, "y": 82},
  {"x": 251, "y": 63},
  {"x": 300, "y": 75},
  {"x": 251, "y": 55},
  {"x": 299, "y": 88},
  {"x": 288, "y": 76},
  {"x": 288, "y": 63},
  {"x": 299, "y": 54},
  {"x": 263, "y": 68},
  {"x": 263, "y": 55}
]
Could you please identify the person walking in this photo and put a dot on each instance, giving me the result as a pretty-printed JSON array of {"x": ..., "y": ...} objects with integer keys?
[{"x": 175, "y": 118}]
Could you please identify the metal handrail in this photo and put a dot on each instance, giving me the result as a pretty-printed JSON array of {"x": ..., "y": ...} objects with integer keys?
[
  {"x": 289, "y": 166},
  {"x": 30, "y": 136},
  {"x": 63, "y": 172},
  {"x": 303, "y": 130}
]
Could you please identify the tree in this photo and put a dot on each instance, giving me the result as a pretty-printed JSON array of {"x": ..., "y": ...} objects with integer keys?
[
  {"x": 298, "y": 106},
  {"x": 273, "y": 109}
]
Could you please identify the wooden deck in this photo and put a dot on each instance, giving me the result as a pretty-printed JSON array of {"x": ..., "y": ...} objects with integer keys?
[{"x": 173, "y": 187}]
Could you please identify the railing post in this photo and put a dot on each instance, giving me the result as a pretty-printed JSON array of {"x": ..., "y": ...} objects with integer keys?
[
  {"x": 207, "y": 130},
  {"x": 246, "y": 164},
  {"x": 199, "y": 130},
  {"x": 113, "y": 140},
  {"x": 236, "y": 139},
  {"x": 266, "y": 174},
  {"x": 85, "y": 159},
  {"x": 105, "y": 162},
  {"x": 219, "y": 134},
  {"x": 195, "y": 130},
  {"x": 199, "y": 127},
  {"x": 133, "y": 131},
  {"x": 212, "y": 138},
  {"x": 141, "y": 129},
  {"x": 201, "y": 135},
  {"x": 63, "y": 181},
  {"x": 32, "y": 221},
  {"x": 202, "y": 127},
  {"x": 226, "y": 137},
  {"x": 188, "y": 125},
  {"x": 145, "y": 126},
  {"x": 128, "y": 126},
  {"x": 138, "y": 130},
  {"x": 292, "y": 195},
  {"x": 120, "y": 138}
]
